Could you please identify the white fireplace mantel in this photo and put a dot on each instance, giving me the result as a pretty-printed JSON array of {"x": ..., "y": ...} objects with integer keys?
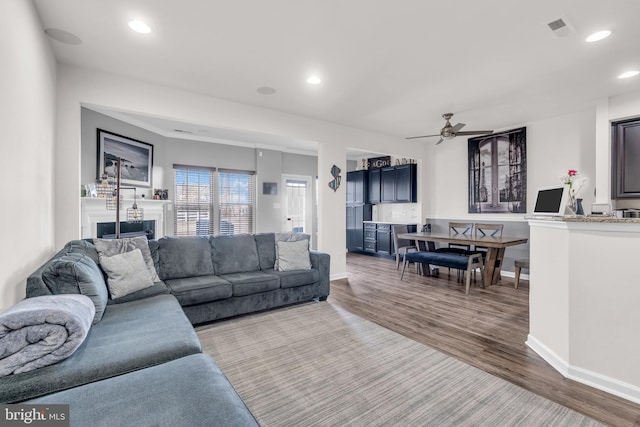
[{"x": 94, "y": 210}]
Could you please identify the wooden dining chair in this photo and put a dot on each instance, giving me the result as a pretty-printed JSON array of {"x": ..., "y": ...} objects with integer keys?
[
  {"x": 402, "y": 246},
  {"x": 486, "y": 230},
  {"x": 455, "y": 228}
]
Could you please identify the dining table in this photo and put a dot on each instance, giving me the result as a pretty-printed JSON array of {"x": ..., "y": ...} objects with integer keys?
[{"x": 495, "y": 247}]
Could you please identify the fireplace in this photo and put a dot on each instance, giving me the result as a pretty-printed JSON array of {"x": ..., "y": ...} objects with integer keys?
[
  {"x": 98, "y": 221},
  {"x": 107, "y": 230}
]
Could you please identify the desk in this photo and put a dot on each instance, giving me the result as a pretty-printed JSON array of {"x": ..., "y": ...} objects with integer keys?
[{"x": 495, "y": 248}]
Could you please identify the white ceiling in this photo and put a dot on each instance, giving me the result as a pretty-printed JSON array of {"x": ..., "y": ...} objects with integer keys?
[{"x": 387, "y": 66}]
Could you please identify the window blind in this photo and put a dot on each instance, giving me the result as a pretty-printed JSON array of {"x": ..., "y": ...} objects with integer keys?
[
  {"x": 194, "y": 201},
  {"x": 236, "y": 201}
]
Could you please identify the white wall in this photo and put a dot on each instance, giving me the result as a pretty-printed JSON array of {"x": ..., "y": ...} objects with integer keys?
[
  {"x": 583, "y": 302},
  {"x": 553, "y": 146},
  {"x": 77, "y": 86},
  {"x": 27, "y": 118}
]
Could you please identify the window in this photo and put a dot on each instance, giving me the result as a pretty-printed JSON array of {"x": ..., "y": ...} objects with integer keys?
[
  {"x": 213, "y": 202},
  {"x": 237, "y": 201},
  {"x": 193, "y": 213}
]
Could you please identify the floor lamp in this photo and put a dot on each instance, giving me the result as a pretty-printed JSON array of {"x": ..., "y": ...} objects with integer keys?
[{"x": 134, "y": 214}]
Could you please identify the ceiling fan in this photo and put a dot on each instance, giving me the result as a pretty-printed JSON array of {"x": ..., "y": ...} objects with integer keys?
[{"x": 450, "y": 132}]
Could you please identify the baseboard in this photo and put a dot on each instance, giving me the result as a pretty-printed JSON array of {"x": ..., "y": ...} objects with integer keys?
[
  {"x": 338, "y": 276},
  {"x": 512, "y": 274},
  {"x": 585, "y": 376}
]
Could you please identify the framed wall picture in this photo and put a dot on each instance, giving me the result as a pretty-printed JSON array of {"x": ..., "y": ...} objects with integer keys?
[
  {"x": 136, "y": 159},
  {"x": 498, "y": 172}
]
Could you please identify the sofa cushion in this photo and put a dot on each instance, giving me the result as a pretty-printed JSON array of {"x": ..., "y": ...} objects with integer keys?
[
  {"x": 75, "y": 273},
  {"x": 234, "y": 254},
  {"x": 288, "y": 237},
  {"x": 111, "y": 247},
  {"x": 252, "y": 282},
  {"x": 293, "y": 255},
  {"x": 127, "y": 273},
  {"x": 291, "y": 279},
  {"x": 131, "y": 336},
  {"x": 158, "y": 288},
  {"x": 184, "y": 257},
  {"x": 190, "y": 391},
  {"x": 84, "y": 247},
  {"x": 200, "y": 289},
  {"x": 266, "y": 245}
]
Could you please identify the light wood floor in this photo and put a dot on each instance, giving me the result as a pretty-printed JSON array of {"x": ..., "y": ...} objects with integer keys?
[{"x": 486, "y": 329}]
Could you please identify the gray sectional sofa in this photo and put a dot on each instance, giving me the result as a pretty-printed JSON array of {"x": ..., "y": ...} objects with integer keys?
[{"x": 141, "y": 362}]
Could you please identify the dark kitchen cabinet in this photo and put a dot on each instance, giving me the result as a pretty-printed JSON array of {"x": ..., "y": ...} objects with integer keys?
[
  {"x": 374, "y": 186},
  {"x": 625, "y": 158},
  {"x": 383, "y": 239},
  {"x": 406, "y": 187},
  {"x": 398, "y": 184},
  {"x": 357, "y": 210},
  {"x": 388, "y": 185}
]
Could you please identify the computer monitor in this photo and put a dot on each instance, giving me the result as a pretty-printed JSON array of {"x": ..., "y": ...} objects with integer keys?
[{"x": 551, "y": 201}]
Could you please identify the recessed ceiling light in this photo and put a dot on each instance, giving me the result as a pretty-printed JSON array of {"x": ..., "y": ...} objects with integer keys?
[
  {"x": 598, "y": 36},
  {"x": 628, "y": 74},
  {"x": 266, "y": 90},
  {"x": 62, "y": 36},
  {"x": 139, "y": 27},
  {"x": 314, "y": 80}
]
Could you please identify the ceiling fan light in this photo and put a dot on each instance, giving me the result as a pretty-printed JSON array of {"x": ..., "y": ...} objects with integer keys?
[{"x": 448, "y": 136}]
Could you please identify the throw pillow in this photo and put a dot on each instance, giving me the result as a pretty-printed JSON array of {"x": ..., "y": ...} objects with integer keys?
[
  {"x": 127, "y": 273},
  {"x": 110, "y": 247},
  {"x": 293, "y": 255},
  {"x": 77, "y": 273},
  {"x": 289, "y": 237}
]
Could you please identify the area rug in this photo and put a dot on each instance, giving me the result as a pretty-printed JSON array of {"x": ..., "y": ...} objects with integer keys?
[{"x": 318, "y": 365}]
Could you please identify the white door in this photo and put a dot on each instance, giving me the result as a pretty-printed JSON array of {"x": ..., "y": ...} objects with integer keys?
[{"x": 297, "y": 212}]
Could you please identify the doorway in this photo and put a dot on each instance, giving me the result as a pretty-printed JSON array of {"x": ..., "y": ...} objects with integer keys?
[{"x": 297, "y": 213}]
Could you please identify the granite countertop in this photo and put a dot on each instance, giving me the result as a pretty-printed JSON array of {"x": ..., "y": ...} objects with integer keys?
[
  {"x": 600, "y": 219},
  {"x": 392, "y": 222}
]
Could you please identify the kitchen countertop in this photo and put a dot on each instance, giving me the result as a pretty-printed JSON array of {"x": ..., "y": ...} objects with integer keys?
[
  {"x": 600, "y": 219},
  {"x": 392, "y": 222}
]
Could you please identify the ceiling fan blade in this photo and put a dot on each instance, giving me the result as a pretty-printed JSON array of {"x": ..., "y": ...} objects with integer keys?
[
  {"x": 475, "y": 132},
  {"x": 457, "y": 127},
  {"x": 439, "y": 141},
  {"x": 423, "y": 136}
]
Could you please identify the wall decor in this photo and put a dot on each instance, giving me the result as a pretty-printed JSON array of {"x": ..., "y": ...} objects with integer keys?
[
  {"x": 498, "y": 172},
  {"x": 270, "y": 188},
  {"x": 136, "y": 159},
  {"x": 376, "y": 162},
  {"x": 335, "y": 182}
]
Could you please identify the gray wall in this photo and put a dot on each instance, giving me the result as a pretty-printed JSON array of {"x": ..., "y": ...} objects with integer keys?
[{"x": 169, "y": 151}]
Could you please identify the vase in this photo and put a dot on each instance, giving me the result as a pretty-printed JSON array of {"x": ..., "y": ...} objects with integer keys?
[
  {"x": 572, "y": 207},
  {"x": 579, "y": 209}
]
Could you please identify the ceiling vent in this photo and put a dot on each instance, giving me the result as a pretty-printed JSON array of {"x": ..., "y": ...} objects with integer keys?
[
  {"x": 182, "y": 131},
  {"x": 561, "y": 27}
]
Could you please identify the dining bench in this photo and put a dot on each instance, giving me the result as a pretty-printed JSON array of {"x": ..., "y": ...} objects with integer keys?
[{"x": 466, "y": 263}]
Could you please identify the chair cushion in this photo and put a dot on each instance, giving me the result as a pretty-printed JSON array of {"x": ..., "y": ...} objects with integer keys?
[
  {"x": 200, "y": 289},
  {"x": 252, "y": 282}
]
